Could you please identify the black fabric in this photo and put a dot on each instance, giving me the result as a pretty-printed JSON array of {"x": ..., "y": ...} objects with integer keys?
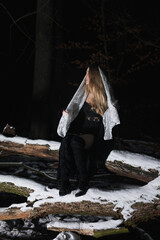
[
  {"x": 66, "y": 165},
  {"x": 64, "y": 188},
  {"x": 80, "y": 157},
  {"x": 87, "y": 121},
  {"x": 73, "y": 159}
]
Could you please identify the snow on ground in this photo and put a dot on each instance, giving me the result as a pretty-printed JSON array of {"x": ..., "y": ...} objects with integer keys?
[
  {"x": 123, "y": 198},
  {"x": 53, "y": 145}
]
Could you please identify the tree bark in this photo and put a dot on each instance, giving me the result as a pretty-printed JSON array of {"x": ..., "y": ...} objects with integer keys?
[
  {"x": 14, "y": 213},
  {"x": 144, "y": 212}
]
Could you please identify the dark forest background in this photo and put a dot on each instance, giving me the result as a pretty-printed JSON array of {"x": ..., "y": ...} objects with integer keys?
[{"x": 46, "y": 46}]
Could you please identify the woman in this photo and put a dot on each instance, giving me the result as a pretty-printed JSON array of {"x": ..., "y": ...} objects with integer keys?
[{"x": 85, "y": 124}]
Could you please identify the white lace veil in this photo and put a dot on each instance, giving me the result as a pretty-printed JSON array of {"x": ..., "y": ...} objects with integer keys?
[{"x": 110, "y": 117}]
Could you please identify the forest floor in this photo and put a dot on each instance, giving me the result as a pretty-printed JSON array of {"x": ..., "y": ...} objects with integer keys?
[{"x": 36, "y": 229}]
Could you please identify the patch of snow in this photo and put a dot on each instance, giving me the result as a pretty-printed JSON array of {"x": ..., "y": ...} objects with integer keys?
[
  {"x": 22, "y": 206},
  {"x": 137, "y": 160},
  {"x": 3, "y": 209},
  {"x": 53, "y": 145},
  {"x": 15, "y": 139},
  {"x": 81, "y": 225}
]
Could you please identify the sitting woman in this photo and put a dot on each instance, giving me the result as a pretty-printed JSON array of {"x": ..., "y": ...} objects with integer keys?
[{"x": 85, "y": 126}]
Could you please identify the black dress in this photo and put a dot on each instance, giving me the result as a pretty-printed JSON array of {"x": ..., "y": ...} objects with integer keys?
[{"x": 73, "y": 157}]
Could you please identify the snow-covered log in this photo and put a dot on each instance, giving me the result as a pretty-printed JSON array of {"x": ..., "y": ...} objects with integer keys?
[
  {"x": 47, "y": 201},
  {"x": 25, "y": 146},
  {"x": 102, "y": 226},
  {"x": 133, "y": 165}
]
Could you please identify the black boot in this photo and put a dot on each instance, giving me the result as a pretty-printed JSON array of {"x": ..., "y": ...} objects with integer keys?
[
  {"x": 64, "y": 188},
  {"x": 81, "y": 192}
]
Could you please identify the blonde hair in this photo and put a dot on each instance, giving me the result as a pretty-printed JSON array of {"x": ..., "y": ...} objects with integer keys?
[{"x": 96, "y": 87}]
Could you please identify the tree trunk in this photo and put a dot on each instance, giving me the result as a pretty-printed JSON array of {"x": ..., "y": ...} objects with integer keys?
[
  {"x": 40, "y": 127},
  {"x": 48, "y": 72}
]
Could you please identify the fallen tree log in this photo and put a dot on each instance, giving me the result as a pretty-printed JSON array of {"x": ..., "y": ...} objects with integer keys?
[
  {"x": 24, "y": 146},
  {"x": 137, "y": 166},
  {"x": 49, "y": 149},
  {"x": 38, "y": 209},
  {"x": 88, "y": 228},
  {"x": 129, "y": 171}
]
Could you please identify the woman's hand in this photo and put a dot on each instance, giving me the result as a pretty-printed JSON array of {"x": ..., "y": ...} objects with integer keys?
[{"x": 64, "y": 113}]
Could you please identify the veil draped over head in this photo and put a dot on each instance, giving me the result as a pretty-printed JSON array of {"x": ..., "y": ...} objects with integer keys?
[{"x": 110, "y": 117}]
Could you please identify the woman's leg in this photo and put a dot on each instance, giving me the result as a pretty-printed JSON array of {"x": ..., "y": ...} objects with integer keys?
[
  {"x": 88, "y": 139},
  {"x": 65, "y": 165},
  {"x": 80, "y": 154},
  {"x": 89, "y": 145}
]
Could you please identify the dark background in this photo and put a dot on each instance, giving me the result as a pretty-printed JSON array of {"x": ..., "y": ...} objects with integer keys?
[{"x": 46, "y": 46}]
